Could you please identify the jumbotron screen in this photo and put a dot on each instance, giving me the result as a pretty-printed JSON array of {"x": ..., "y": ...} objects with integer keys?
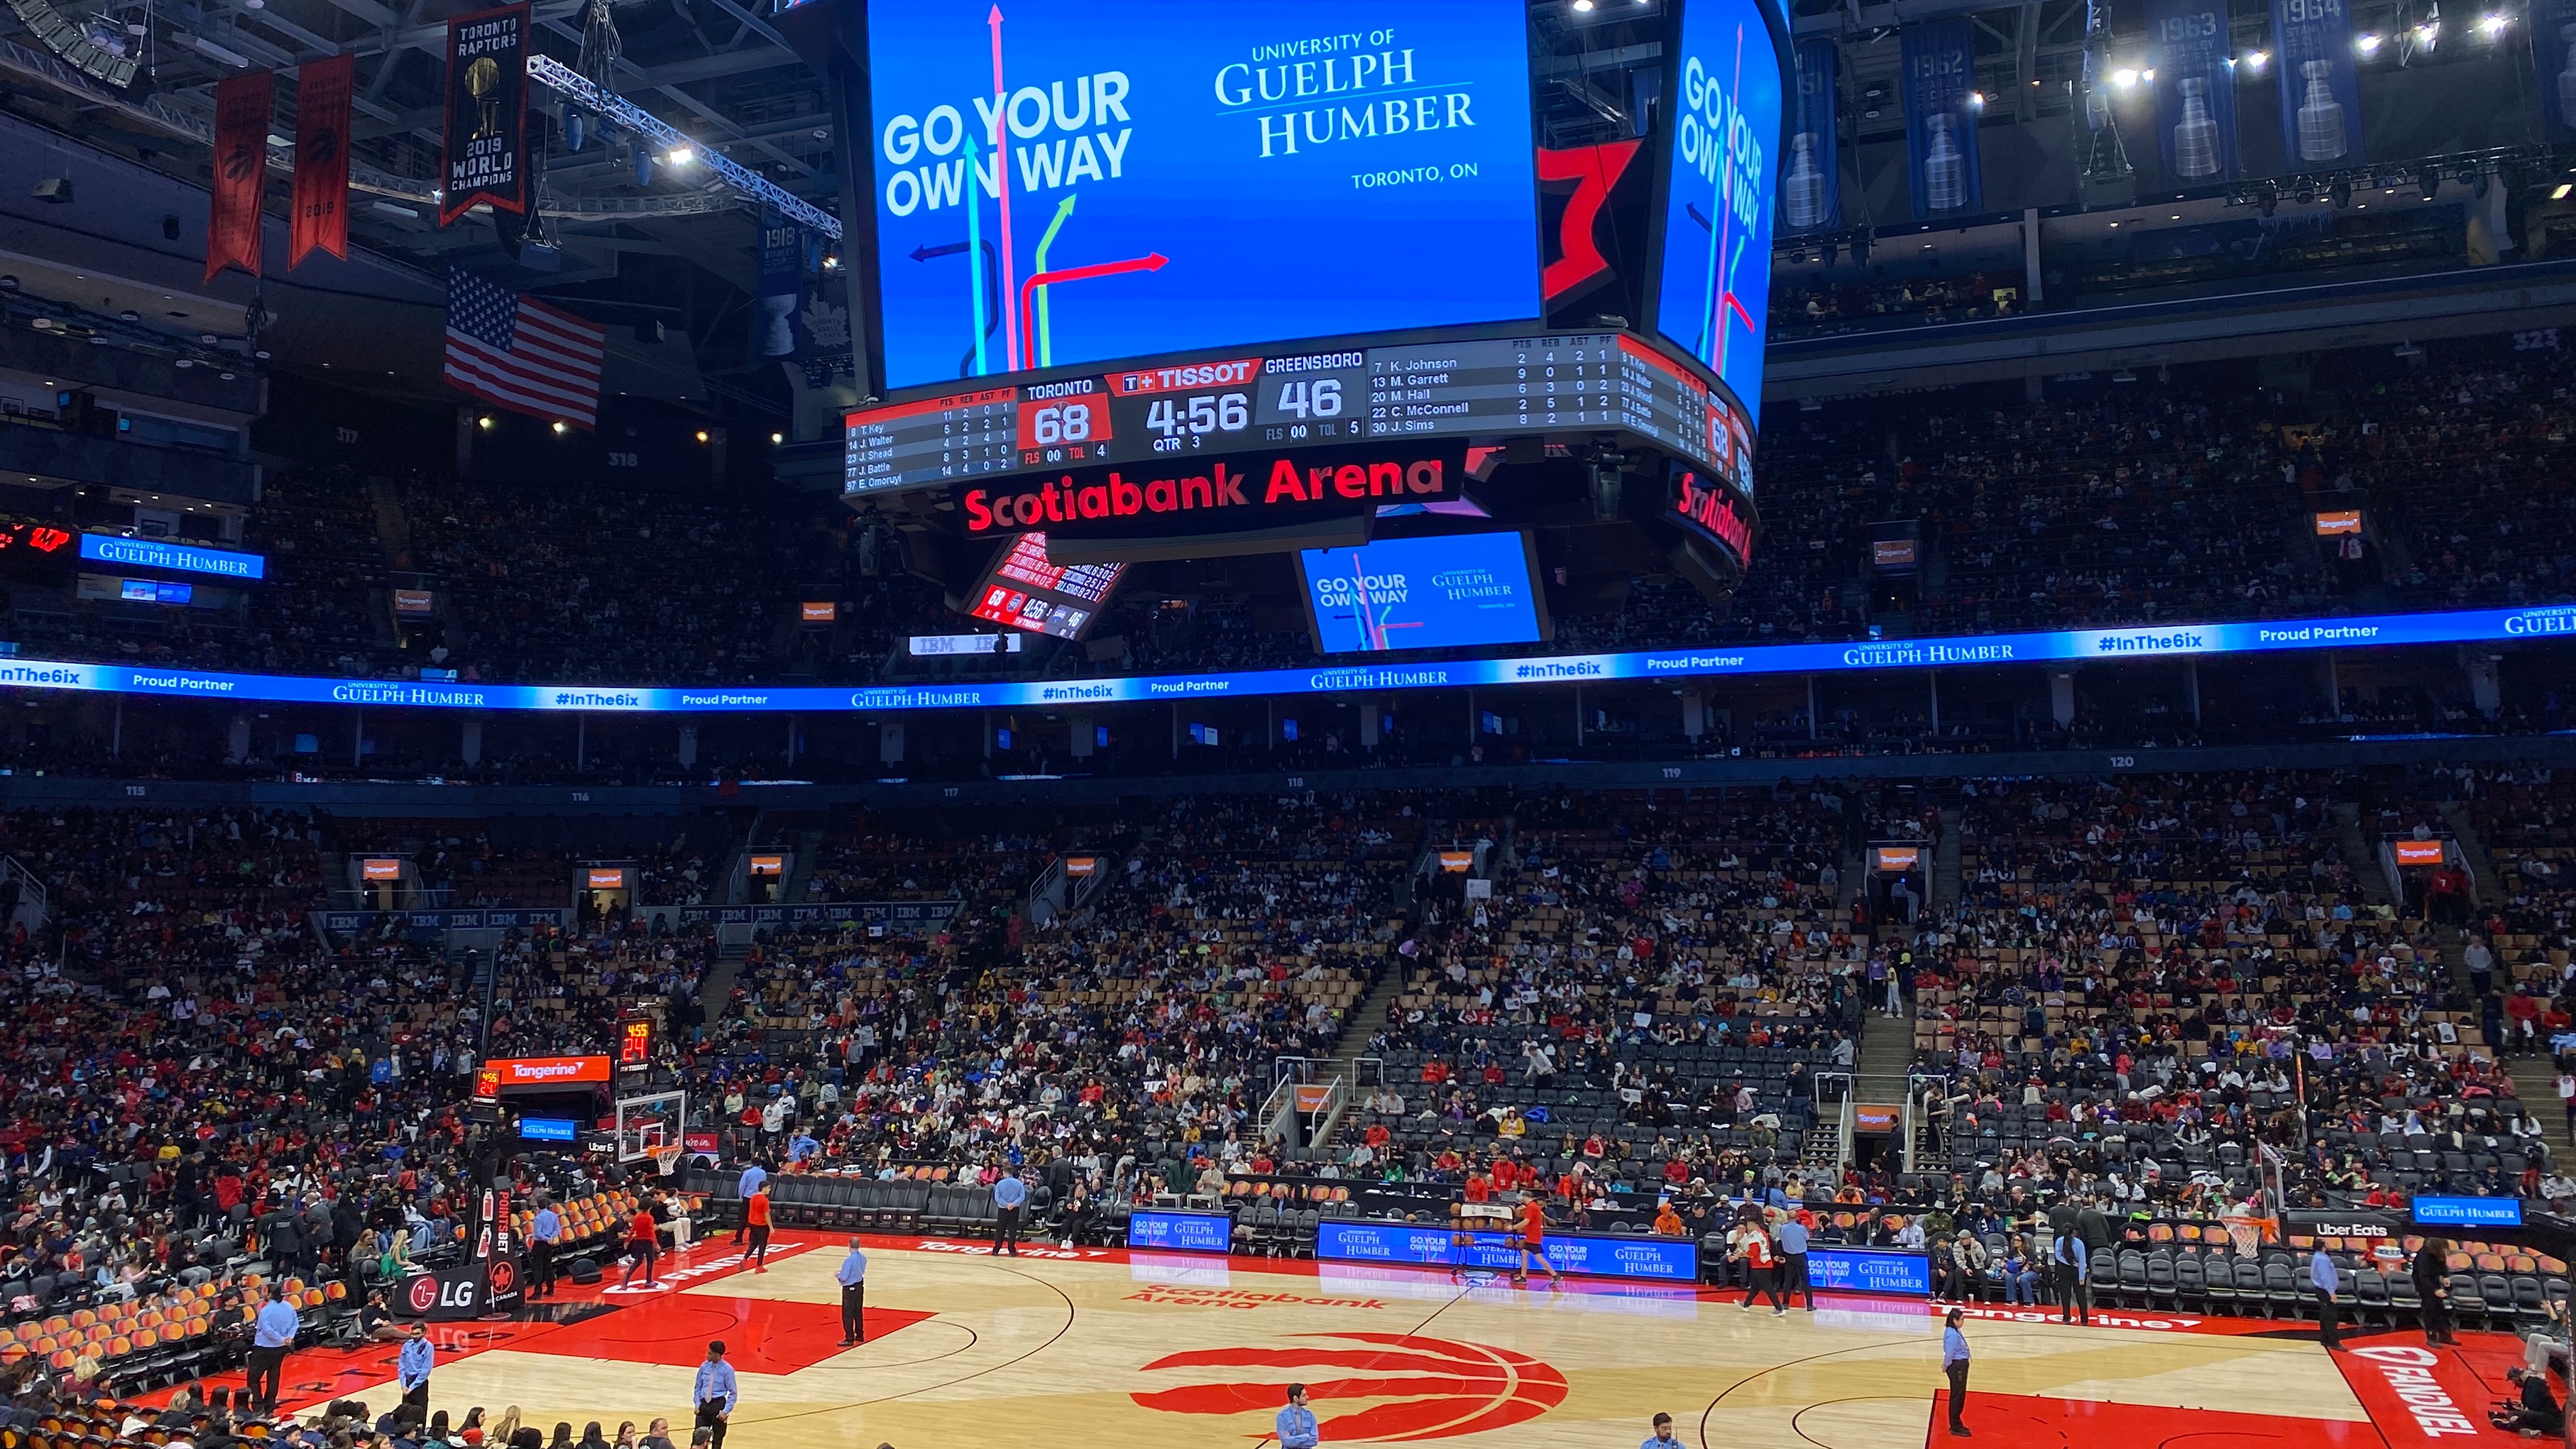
[
  {"x": 1060, "y": 182},
  {"x": 1722, "y": 88}
]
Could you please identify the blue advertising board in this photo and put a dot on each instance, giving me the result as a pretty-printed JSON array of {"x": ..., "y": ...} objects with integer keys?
[
  {"x": 1658, "y": 1260},
  {"x": 1870, "y": 1270},
  {"x": 2468, "y": 1212},
  {"x": 2555, "y": 622},
  {"x": 1421, "y": 593},
  {"x": 548, "y": 1129},
  {"x": 186, "y": 558},
  {"x": 1070, "y": 181},
  {"x": 1713, "y": 294},
  {"x": 1180, "y": 1232}
]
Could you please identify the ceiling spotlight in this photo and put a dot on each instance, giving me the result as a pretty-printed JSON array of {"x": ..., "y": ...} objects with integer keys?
[
  {"x": 702, "y": 435},
  {"x": 2256, "y": 58},
  {"x": 483, "y": 422},
  {"x": 2559, "y": 192},
  {"x": 2492, "y": 26},
  {"x": 679, "y": 156},
  {"x": 2368, "y": 44},
  {"x": 559, "y": 427},
  {"x": 1582, "y": 7},
  {"x": 782, "y": 437},
  {"x": 2124, "y": 78}
]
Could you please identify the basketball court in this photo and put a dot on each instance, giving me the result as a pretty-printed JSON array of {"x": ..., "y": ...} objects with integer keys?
[{"x": 1109, "y": 1348}]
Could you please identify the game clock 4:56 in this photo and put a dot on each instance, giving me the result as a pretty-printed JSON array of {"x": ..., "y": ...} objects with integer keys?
[{"x": 1183, "y": 408}]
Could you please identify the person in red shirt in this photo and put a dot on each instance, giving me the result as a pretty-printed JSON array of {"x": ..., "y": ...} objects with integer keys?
[
  {"x": 643, "y": 1247},
  {"x": 755, "y": 1215},
  {"x": 1534, "y": 1240},
  {"x": 1479, "y": 1188}
]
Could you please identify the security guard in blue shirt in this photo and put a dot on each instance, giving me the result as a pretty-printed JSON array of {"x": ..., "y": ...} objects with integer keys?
[
  {"x": 419, "y": 1356},
  {"x": 852, "y": 1275},
  {"x": 545, "y": 1234},
  {"x": 1297, "y": 1422},
  {"x": 273, "y": 1332}
]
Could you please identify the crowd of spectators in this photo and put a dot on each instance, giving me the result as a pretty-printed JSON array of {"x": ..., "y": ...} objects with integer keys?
[{"x": 2147, "y": 990}]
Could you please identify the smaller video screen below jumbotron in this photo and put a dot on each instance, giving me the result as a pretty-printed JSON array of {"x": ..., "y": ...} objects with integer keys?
[{"x": 1025, "y": 591}]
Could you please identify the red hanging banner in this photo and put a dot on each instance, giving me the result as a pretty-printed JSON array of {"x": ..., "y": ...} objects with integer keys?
[
  {"x": 321, "y": 217},
  {"x": 241, "y": 170}
]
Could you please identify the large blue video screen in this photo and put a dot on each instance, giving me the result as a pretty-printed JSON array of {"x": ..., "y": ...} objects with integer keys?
[
  {"x": 1422, "y": 593},
  {"x": 1868, "y": 1270},
  {"x": 1660, "y": 1260},
  {"x": 1187, "y": 174},
  {"x": 1723, "y": 83},
  {"x": 1180, "y": 1232}
]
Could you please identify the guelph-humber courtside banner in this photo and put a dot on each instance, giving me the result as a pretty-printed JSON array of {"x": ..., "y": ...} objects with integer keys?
[
  {"x": 321, "y": 217},
  {"x": 2552, "y": 624},
  {"x": 487, "y": 112},
  {"x": 1811, "y": 193},
  {"x": 1941, "y": 110},
  {"x": 241, "y": 172},
  {"x": 2320, "y": 95},
  {"x": 2195, "y": 90}
]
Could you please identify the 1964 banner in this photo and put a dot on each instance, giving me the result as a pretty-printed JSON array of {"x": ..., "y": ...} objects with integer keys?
[{"x": 487, "y": 112}]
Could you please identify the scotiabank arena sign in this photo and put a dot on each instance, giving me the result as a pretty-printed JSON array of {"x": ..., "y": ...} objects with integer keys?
[
  {"x": 1169, "y": 496},
  {"x": 1711, "y": 510}
]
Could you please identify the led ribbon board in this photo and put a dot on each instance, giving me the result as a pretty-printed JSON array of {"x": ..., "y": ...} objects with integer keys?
[{"x": 2172, "y": 641}]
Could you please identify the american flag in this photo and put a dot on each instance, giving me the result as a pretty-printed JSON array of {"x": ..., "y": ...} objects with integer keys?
[{"x": 521, "y": 353}]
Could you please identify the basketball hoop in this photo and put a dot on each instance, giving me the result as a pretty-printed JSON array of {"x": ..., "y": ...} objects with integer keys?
[
  {"x": 2245, "y": 1235},
  {"x": 666, "y": 1160}
]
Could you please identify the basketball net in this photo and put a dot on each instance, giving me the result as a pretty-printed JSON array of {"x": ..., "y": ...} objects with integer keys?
[
  {"x": 666, "y": 1160},
  {"x": 2245, "y": 1234}
]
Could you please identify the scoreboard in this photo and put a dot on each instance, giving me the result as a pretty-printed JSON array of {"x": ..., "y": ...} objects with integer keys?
[{"x": 1585, "y": 382}]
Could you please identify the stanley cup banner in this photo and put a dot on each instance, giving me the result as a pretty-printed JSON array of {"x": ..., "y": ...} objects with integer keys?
[
  {"x": 321, "y": 215},
  {"x": 241, "y": 173},
  {"x": 2553, "y": 50},
  {"x": 1940, "y": 84},
  {"x": 2320, "y": 95},
  {"x": 487, "y": 112},
  {"x": 1811, "y": 194},
  {"x": 2195, "y": 90}
]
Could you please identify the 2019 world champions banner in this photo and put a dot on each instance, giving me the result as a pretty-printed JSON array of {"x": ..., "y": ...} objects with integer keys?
[
  {"x": 2165, "y": 641},
  {"x": 1070, "y": 181}
]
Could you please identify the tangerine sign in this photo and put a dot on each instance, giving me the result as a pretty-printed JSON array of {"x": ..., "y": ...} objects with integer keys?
[{"x": 1398, "y": 1388}]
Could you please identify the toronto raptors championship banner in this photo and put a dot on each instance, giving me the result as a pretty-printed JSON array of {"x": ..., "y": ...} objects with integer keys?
[
  {"x": 241, "y": 170},
  {"x": 487, "y": 112},
  {"x": 322, "y": 158}
]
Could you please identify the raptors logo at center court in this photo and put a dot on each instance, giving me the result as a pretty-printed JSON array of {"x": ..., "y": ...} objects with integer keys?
[{"x": 1415, "y": 1388}]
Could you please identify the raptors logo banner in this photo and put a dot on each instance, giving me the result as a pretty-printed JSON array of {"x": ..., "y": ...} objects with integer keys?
[
  {"x": 321, "y": 217},
  {"x": 487, "y": 112},
  {"x": 241, "y": 168}
]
